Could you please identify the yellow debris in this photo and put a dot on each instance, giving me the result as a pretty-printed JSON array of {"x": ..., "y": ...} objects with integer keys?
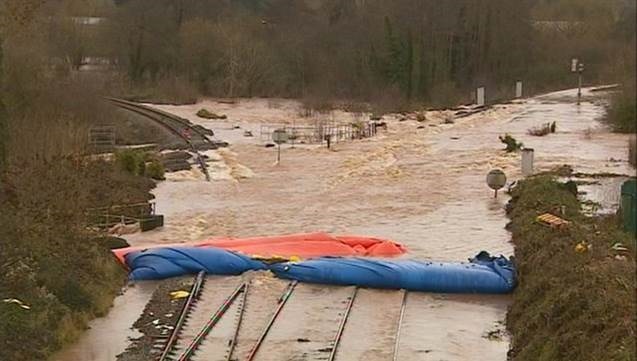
[
  {"x": 276, "y": 258},
  {"x": 175, "y": 295},
  {"x": 582, "y": 247},
  {"x": 552, "y": 221}
]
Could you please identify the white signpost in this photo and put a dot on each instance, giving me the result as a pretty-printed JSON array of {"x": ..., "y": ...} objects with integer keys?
[{"x": 480, "y": 96}]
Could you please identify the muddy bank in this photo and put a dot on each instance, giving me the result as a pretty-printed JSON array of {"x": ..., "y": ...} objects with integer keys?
[
  {"x": 572, "y": 302},
  {"x": 157, "y": 320}
]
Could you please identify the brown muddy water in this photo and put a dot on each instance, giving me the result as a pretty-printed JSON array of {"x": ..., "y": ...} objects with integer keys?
[{"x": 421, "y": 184}]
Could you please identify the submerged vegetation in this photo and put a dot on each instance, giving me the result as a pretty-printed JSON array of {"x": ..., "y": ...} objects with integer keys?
[
  {"x": 576, "y": 294},
  {"x": 544, "y": 129},
  {"x": 207, "y": 114},
  {"x": 512, "y": 144}
]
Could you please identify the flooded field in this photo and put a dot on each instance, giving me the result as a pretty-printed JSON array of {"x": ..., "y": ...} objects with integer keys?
[{"x": 420, "y": 184}]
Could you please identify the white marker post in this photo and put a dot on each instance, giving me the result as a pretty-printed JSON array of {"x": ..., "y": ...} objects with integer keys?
[
  {"x": 527, "y": 161},
  {"x": 518, "y": 89},
  {"x": 480, "y": 96}
]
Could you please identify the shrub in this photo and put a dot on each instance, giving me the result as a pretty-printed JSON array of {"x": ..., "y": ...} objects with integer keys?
[
  {"x": 140, "y": 164},
  {"x": 622, "y": 114},
  {"x": 155, "y": 170},
  {"x": 130, "y": 161},
  {"x": 512, "y": 145}
]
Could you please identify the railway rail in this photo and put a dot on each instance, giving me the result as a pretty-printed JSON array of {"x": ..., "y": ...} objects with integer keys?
[
  {"x": 192, "y": 136},
  {"x": 400, "y": 325},
  {"x": 341, "y": 326},
  {"x": 185, "y": 311},
  {"x": 182, "y": 346},
  {"x": 207, "y": 330}
]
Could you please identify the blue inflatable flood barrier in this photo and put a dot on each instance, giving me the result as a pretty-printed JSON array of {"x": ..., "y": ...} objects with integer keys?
[
  {"x": 160, "y": 263},
  {"x": 483, "y": 274}
]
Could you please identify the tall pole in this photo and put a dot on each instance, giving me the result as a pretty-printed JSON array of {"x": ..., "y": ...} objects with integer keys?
[
  {"x": 278, "y": 154},
  {"x": 579, "y": 87},
  {"x": 580, "y": 70},
  {"x": 578, "y": 67}
]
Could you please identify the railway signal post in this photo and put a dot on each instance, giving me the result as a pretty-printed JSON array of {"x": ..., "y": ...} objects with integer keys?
[{"x": 578, "y": 67}]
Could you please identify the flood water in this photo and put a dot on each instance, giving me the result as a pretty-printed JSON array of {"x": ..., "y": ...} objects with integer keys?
[
  {"x": 109, "y": 336},
  {"x": 423, "y": 186}
]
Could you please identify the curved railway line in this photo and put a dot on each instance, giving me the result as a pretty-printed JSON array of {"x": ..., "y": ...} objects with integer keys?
[
  {"x": 193, "y": 136},
  {"x": 255, "y": 319}
]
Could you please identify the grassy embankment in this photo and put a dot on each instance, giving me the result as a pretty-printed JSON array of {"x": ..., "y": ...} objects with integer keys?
[
  {"x": 569, "y": 305},
  {"x": 622, "y": 116},
  {"x": 622, "y": 112},
  {"x": 60, "y": 270}
]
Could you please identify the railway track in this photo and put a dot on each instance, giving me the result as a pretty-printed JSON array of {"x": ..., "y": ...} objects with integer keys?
[
  {"x": 399, "y": 326},
  {"x": 185, "y": 312},
  {"x": 206, "y": 330},
  {"x": 194, "y": 137},
  {"x": 341, "y": 326},
  {"x": 260, "y": 319},
  {"x": 371, "y": 332}
]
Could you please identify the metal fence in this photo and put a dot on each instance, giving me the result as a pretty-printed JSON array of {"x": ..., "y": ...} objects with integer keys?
[
  {"x": 317, "y": 134},
  {"x": 102, "y": 138},
  {"x": 106, "y": 217}
]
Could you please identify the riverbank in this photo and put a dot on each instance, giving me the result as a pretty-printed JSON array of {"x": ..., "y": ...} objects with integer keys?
[
  {"x": 573, "y": 302},
  {"x": 57, "y": 273}
]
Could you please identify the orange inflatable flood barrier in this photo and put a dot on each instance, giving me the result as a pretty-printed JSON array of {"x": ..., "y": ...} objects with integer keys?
[{"x": 306, "y": 245}]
